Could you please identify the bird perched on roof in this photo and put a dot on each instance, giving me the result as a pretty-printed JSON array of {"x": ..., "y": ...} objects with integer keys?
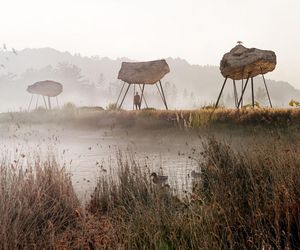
[{"x": 158, "y": 179}]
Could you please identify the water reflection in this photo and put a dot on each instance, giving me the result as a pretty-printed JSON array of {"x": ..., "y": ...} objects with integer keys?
[{"x": 90, "y": 154}]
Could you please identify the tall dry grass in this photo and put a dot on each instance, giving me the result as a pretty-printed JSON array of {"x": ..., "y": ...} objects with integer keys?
[
  {"x": 146, "y": 216},
  {"x": 255, "y": 194},
  {"x": 244, "y": 200},
  {"x": 37, "y": 203}
]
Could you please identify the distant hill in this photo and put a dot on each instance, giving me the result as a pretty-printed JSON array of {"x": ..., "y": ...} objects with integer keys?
[{"x": 93, "y": 81}]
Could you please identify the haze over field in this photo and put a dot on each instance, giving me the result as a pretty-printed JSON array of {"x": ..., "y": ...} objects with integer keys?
[
  {"x": 190, "y": 34},
  {"x": 93, "y": 81},
  {"x": 196, "y": 30}
]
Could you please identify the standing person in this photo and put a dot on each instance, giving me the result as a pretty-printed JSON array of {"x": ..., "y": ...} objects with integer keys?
[{"x": 137, "y": 101}]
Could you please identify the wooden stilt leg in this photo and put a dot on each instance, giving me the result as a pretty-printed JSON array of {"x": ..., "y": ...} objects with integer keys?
[
  {"x": 37, "y": 101},
  {"x": 45, "y": 102},
  {"x": 159, "y": 91},
  {"x": 30, "y": 103},
  {"x": 124, "y": 96},
  {"x": 243, "y": 92},
  {"x": 267, "y": 89},
  {"x": 49, "y": 103},
  {"x": 133, "y": 96},
  {"x": 242, "y": 102},
  {"x": 164, "y": 97},
  {"x": 217, "y": 103},
  {"x": 143, "y": 97},
  {"x": 120, "y": 93},
  {"x": 235, "y": 93},
  {"x": 57, "y": 102},
  {"x": 252, "y": 90}
]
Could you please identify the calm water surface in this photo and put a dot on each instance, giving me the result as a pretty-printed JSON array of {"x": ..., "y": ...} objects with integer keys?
[{"x": 89, "y": 154}]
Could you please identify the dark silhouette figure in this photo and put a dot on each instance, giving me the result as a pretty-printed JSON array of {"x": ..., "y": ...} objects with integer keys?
[{"x": 137, "y": 101}]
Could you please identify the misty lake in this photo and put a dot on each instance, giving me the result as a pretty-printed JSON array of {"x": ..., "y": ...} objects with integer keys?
[{"x": 90, "y": 154}]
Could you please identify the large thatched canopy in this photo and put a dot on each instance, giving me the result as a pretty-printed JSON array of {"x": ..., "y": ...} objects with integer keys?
[
  {"x": 143, "y": 72},
  {"x": 46, "y": 88},
  {"x": 242, "y": 62}
]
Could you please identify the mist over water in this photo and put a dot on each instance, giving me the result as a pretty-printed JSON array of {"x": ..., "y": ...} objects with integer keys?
[
  {"x": 92, "y": 154},
  {"x": 92, "y": 81}
]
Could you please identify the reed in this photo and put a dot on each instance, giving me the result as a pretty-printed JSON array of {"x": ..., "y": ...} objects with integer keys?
[
  {"x": 96, "y": 117},
  {"x": 243, "y": 200},
  {"x": 37, "y": 203}
]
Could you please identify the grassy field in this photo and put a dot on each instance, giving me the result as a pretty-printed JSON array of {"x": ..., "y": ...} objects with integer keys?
[
  {"x": 243, "y": 200},
  {"x": 192, "y": 119}
]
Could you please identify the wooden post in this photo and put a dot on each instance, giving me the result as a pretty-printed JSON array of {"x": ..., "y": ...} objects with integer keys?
[
  {"x": 235, "y": 93},
  {"x": 49, "y": 103},
  {"x": 30, "y": 103},
  {"x": 124, "y": 95},
  {"x": 133, "y": 96},
  {"x": 57, "y": 102},
  {"x": 143, "y": 95},
  {"x": 45, "y": 102},
  {"x": 243, "y": 92},
  {"x": 120, "y": 93},
  {"x": 252, "y": 90},
  {"x": 37, "y": 101},
  {"x": 162, "y": 90},
  {"x": 217, "y": 103},
  {"x": 266, "y": 89},
  {"x": 242, "y": 103},
  {"x": 159, "y": 91}
]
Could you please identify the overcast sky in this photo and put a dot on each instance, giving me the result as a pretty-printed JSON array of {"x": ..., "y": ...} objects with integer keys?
[{"x": 196, "y": 30}]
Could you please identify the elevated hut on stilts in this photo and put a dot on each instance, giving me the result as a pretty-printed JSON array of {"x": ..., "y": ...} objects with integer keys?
[
  {"x": 242, "y": 64},
  {"x": 45, "y": 89},
  {"x": 140, "y": 74}
]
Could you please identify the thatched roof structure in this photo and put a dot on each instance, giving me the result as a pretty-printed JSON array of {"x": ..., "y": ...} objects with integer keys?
[
  {"x": 143, "y": 72},
  {"x": 242, "y": 62},
  {"x": 46, "y": 88}
]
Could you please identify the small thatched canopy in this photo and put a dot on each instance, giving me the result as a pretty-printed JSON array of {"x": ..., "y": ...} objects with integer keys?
[
  {"x": 143, "y": 72},
  {"x": 46, "y": 88},
  {"x": 242, "y": 62}
]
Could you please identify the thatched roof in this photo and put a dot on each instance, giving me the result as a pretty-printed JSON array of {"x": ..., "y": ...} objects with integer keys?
[
  {"x": 242, "y": 62},
  {"x": 45, "y": 88},
  {"x": 143, "y": 72}
]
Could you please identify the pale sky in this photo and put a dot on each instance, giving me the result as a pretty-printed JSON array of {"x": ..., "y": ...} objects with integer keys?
[{"x": 200, "y": 31}]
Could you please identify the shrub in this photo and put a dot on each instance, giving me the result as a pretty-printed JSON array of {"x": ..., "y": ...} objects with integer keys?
[{"x": 112, "y": 107}]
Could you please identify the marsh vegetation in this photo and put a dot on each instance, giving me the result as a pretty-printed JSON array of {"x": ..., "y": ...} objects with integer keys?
[
  {"x": 245, "y": 198},
  {"x": 97, "y": 117}
]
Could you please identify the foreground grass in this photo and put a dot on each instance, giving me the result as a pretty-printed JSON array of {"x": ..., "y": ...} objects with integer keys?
[
  {"x": 36, "y": 202},
  {"x": 40, "y": 210},
  {"x": 244, "y": 200}
]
